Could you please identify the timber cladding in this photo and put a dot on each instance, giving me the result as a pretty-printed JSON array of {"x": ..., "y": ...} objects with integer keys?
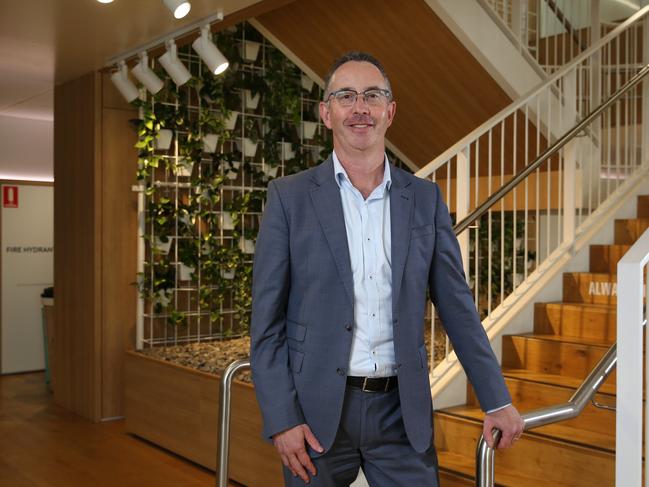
[{"x": 177, "y": 408}]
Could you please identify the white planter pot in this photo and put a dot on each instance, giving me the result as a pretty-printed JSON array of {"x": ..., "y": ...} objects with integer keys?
[
  {"x": 233, "y": 173},
  {"x": 250, "y": 50},
  {"x": 229, "y": 274},
  {"x": 247, "y": 147},
  {"x": 163, "y": 141},
  {"x": 270, "y": 171},
  {"x": 251, "y": 101},
  {"x": 226, "y": 221},
  {"x": 185, "y": 272},
  {"x": 209, "y": 143},
  {"x": 184, "y": 168},
  {"x": 307, "y": 83},
  {"x": 286, "y": 150},
  {"x": 163, "y": 247},
  {"x": 231, "y": 121},
  {"x": 308, "y": 129},
  {"x": 247, "y": 246}
]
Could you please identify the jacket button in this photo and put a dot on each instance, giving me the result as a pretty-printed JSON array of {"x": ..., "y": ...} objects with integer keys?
[
  {"x": 340, "y": 371},
  {"x": 348, "y": 327}
]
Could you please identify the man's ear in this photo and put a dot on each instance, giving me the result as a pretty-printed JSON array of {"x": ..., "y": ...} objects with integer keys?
[
  {"x": 324, "y": 114},
  {"x": 392, "y": 109}
]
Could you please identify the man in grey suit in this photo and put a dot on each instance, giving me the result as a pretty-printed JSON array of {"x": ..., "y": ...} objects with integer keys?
[{"x": 345, "y": 254}]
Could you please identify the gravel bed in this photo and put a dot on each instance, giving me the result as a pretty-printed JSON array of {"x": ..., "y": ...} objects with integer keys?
[{"x": 212, "y": 357}]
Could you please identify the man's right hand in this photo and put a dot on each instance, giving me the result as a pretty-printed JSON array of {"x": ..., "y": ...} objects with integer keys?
[{"x": 292, "y": 450}]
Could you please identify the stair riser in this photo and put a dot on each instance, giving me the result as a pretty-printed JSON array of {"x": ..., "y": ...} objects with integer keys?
[
  {"x": 449, "y": 480},
  {"x": 528, "y": 396},
  {"x": 604, "y": 258},
  {"x": 550, "y": 357},
  {"x": 575, "y": 321},
  {"x": 546, "y": 461},
  {"x": 643, "y": 206},
  {"x": 590, "y": 289},
  {"x": 628, "y": 231}
]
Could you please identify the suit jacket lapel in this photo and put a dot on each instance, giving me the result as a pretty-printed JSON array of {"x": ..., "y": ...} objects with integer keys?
[
  {"x": 325, "y": 196},
  {"x": 401, "y": 208}
]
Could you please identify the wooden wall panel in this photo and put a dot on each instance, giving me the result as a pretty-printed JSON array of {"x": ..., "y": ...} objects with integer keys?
[
  {"x": 95, "y": 238},
  {"x": 442, "y": 92},
  {"x": 76, "y": 367},
  {"x": 119, "y": 245}
]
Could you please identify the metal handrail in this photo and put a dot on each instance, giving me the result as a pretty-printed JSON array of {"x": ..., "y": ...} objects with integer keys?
[
  {"x": 485, "y": 455},
  {"x": 225, "y": 402},
  {"x": 572, "y": 133},
  {"x": 440, "y": 160}
]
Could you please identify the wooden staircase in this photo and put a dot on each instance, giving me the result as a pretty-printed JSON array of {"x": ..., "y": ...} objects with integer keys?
[{"x": 544, "y": 368}]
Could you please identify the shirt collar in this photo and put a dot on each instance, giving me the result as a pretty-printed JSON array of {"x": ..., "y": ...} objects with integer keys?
[{"x": 341, "y": 174}]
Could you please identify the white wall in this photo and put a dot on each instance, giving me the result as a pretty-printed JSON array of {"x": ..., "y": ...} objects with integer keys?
[
  {"x": 27, "y": 268},
  {"x": 26, "y": 148}
]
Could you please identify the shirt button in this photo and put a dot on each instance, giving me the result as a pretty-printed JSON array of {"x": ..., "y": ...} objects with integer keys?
[
  {"x": 340, "y": 371},
  {"x": 348, "y": 327}
]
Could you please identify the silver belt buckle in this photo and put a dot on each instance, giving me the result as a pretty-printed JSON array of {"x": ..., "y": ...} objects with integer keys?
[{"x": 364, "y": 384}]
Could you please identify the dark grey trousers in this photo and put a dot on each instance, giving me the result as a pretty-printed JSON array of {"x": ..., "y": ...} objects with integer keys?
[{"x": 371, "y": 436}]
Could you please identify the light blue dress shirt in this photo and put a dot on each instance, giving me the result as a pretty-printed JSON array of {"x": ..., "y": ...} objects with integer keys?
[{"x": 367, "y": 222}]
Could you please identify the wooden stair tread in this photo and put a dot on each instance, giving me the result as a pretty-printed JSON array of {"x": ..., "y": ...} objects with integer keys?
[
  {"x": 554, "y": 379},
  {"x": 465, "y": 465},
  {"x": 567, "y": 339},
  {"x": 578, "y": 305},
  {"x": 562, "y": 431}
]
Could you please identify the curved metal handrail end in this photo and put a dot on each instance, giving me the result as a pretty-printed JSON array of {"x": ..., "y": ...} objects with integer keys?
[
  {"x": 552, "y": 414},
  {"x": 225, "y": 394}
]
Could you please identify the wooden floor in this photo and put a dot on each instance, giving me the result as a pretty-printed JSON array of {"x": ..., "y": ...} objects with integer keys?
[{"x": 41, "y": 445}]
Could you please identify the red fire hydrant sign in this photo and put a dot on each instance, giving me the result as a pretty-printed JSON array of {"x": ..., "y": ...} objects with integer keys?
[{"x": 10, "y": 196}]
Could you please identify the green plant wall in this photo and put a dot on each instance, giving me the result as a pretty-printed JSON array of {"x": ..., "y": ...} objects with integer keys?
[{"x": 203, "y": 208}]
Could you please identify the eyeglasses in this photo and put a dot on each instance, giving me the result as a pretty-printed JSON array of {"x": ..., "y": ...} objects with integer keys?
[{"x": 374, "y": 97}]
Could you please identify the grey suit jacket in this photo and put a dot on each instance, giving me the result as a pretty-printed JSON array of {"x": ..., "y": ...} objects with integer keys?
[{"x": 303, "y": 302}]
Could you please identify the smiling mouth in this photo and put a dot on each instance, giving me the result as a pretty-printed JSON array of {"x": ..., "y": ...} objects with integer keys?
[{"x": 361, "y": 125}]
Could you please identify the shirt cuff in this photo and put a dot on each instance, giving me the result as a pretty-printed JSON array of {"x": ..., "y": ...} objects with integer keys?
[{"x": 498, "y": 409}]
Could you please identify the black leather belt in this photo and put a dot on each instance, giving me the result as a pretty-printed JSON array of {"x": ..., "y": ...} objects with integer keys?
[{"x": 373, "y": 384}]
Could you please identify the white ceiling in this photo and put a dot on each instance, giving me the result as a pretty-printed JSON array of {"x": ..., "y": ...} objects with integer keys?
[{"x": 44, "y": 42}]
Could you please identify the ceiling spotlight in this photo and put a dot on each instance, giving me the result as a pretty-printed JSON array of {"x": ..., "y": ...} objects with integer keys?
[
  {"x": 105, "y": 1},
  {"x": 180, "y": 8},
  {"x": 146, "y": 76},
  {"x": 208, "y": 52},
  {"x": 125, "y": 86},
  {"x": 174, "y": 66}
]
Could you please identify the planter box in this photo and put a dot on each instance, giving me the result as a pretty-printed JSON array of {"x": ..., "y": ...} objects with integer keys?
[
  {"x": 209, "y": 143},
  {"x": 250, "y": 50},
  {"x": 308, "y": 129},
  {"x": 163, "y": 141},
  {"x": 176, "y": 407},
  {"x": 247, "y": 147}
]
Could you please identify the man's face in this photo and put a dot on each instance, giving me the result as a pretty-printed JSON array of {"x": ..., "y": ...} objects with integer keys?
[{"x": 359, "y": 127}]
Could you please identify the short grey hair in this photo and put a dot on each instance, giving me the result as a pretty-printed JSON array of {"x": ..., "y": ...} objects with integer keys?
[{"x": 356, "y": 56}]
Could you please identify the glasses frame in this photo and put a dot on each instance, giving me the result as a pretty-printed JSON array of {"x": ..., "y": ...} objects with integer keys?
[{"x": 385, "y": 92}]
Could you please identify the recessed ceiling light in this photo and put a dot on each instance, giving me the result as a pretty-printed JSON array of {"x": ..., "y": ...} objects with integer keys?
[
  {"x": 105, "y": 1},
  {"x": 180, "y": 8}
]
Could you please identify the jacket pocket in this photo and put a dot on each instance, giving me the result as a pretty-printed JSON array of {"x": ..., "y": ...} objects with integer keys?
[
  {"x": 421, "y": 231},
  {"x": 295, "y": 360},
  {"x": 423, "y": 356},
  {"x": 295, "y": 330}
]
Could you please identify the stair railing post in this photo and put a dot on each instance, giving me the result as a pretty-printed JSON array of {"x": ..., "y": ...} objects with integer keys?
[
  {"x": 569, "y": 154},
  {"x": 462, "y": 195},
  {"x": 645, "y": 93},
  {"x": 517, "y": 24}
]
